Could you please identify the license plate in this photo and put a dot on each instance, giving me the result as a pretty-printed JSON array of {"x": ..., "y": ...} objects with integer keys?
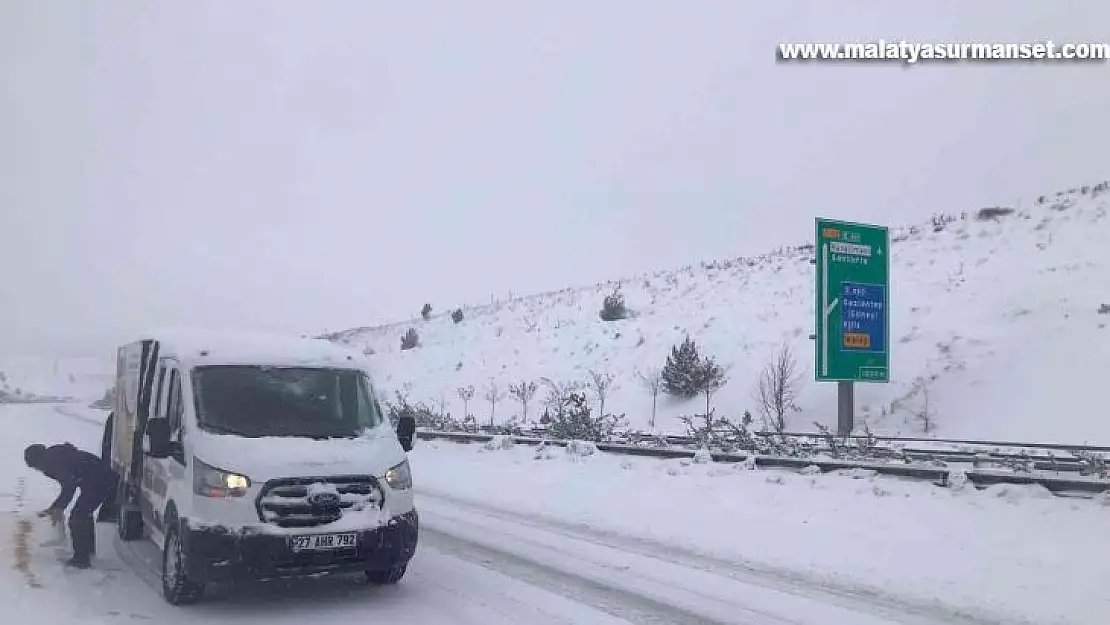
[{"x": 323, "y": 542}]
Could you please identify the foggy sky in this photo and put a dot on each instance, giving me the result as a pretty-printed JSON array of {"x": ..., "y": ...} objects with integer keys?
[{"x": 300, "y": 166}]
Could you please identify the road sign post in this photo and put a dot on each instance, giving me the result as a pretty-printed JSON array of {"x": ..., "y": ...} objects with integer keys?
[{"x": 852, "y": 309}]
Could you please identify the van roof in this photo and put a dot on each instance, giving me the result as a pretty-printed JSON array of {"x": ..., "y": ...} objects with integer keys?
[{"x": 193, "y": 348}]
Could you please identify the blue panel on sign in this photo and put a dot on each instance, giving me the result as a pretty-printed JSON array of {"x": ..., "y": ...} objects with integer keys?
[{"x": 863, "y": 317}]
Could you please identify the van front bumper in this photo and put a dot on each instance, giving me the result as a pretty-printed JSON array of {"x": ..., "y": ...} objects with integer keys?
[{"x": 213, "y": 554}]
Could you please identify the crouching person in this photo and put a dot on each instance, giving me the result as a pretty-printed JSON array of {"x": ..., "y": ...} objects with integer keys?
[{"x": 74, "y": 469}]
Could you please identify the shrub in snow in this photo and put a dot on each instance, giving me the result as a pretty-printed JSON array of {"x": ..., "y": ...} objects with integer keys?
[
  {"x": 426, "y": 311},
  {"x": 499, "y": 442},
  {"x": 720, "y": 433},
  {"x": 957, "y": 479},
  {"x": 702, "y": 456},
  {"x": 581, "y": 449},
  {"x": 457, "y": 315},
  {"x": 858, "y": 473},
  {"x": 776, "y": 479},
  {"x": 613, "y": 308},
  {"x": 410, "y": 339},
  {"x": 811, "y": 469},
  {"x": 1014, "y": 493},
  {"x": 425, "y": 416},
  {"x": 680, "y": 370},
  {"x": 1104, "y": 309},
  {"x": 751, "y": 463},
  {"x": 544, "y": 452},
  {"x": 709, "y": 377},
  {"x": 573, "y": 420},
  {"x": 627, "y": 465},
  {"x": 993, "y": 212},
  {"x": 513, "y": 427}
]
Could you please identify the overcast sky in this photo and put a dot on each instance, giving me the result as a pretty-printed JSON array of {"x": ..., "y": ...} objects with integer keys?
[{"x": 318, "y": 165}]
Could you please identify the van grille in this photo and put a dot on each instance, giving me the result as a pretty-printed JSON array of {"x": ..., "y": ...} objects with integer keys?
[{"x": 312, "y": 501}]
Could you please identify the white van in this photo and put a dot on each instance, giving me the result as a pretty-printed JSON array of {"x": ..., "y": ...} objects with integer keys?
[{"x": 249, "y": 457}]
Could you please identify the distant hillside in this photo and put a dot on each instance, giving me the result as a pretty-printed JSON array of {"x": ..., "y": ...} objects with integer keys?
[{"x": 996, "y": 328}]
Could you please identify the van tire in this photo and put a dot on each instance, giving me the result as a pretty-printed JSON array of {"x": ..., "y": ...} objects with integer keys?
[
  {"x": 177, "y": 588},
  {"x": 129, "y": 523},
  {"x": 389, "y": 576}
]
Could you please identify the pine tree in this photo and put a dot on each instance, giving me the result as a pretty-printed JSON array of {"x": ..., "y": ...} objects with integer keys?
[{"x": 681, "y": 370}]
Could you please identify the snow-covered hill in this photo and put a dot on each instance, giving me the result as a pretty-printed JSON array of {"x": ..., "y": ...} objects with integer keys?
[{"x": 1000, "y": 316}]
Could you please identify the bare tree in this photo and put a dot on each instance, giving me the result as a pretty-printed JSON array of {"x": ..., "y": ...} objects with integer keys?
[
  {"x": 493, "y": 395},
  {"x": 780, "y": 384},
  {"x": 523, "y": 392},
  {"x": 558, "y": 393},
  {"x": 923, "y": 413},
  {"x": 652, "y": 381},
  {"x": 466, "y": 393},
  {"x": 600, "y": 382},
  {"x": 441, "y": 404}
]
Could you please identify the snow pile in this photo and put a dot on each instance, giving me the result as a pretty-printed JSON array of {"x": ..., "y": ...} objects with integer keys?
[
  {"x": 974, "y": 297},
  {"x": 1004, "y": 554}
]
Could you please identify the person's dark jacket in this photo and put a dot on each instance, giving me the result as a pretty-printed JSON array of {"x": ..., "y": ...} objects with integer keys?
[{"x": 73, "y": 468}]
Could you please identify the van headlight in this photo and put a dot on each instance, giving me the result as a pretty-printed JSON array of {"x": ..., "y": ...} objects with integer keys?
[
  {"x": 208, "y": 481},
  {"x": 399, "y": 477}
]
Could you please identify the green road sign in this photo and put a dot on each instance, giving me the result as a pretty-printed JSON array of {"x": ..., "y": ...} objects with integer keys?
[{"x": 853, "y": 302}]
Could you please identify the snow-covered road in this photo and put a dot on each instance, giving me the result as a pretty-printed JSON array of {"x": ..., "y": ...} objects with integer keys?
[{"x": 474, "y": 565}]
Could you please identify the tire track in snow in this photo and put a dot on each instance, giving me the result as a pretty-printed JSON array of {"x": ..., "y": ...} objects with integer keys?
[
  {"x": 612, "y": 600},
  {"x": 760, "y": 584}
]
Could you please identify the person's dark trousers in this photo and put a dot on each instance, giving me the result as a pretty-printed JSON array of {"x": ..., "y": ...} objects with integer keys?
[
  {"x": 82, "y": 530},
  {"x": 108, "y": 510}
]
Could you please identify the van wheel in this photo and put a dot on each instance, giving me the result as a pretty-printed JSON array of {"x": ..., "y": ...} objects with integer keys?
[
  {"x": 129, "y": 523},
  {"x": 177, "y": 588},
  {"x": 392, "y": 575}
]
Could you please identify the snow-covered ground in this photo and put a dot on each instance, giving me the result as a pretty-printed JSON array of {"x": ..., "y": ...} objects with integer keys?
[
  {"x": 1000, "y": 316},
  {"x": 1006, "y": 552},
  {"x": 83, "y": 379},
  {"x": 487, "y": 560}
]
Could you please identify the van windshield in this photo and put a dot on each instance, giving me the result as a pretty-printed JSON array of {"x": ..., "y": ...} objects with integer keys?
[{"x": 256, "y": 401}]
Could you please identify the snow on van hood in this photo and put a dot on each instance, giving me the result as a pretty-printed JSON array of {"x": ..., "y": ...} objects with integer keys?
[{"x": 266, "y": 458}]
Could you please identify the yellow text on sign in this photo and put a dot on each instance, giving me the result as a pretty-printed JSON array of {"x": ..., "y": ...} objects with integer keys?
[{"x": 857, "y": 340}]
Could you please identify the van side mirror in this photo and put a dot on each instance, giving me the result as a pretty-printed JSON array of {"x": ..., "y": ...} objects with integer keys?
[
  {"x": 158, "y": 443},
  {"x": 406, "y": 432}
]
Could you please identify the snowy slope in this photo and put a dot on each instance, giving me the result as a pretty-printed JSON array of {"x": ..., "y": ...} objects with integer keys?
[{"x": 1001, "y": 315}]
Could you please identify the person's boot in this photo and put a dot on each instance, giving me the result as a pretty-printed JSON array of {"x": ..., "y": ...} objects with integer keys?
[{"x": 83, "y": 533}]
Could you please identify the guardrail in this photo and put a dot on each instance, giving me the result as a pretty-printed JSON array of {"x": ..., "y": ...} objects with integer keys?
[{"x": 901, "y": 465}]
